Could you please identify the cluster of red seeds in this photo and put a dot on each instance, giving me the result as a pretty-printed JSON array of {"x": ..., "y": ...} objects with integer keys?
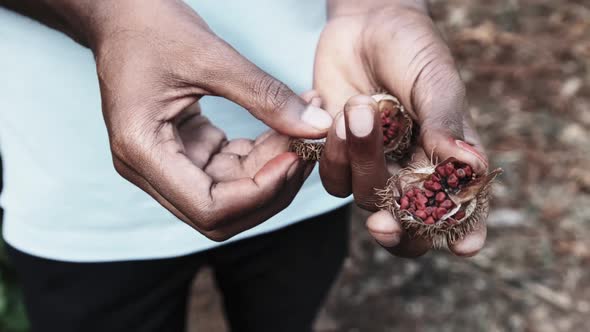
[
  {"x": 432, "y": 203},
  {"x": 391, "y": 125}
]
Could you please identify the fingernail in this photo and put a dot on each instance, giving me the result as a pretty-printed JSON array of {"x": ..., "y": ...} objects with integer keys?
[
  {"x": 360, "y": 120},
  {"x": 316, "y": 117},
  {"x": 340, "y": 126},
  {"x": 387, "y": 240},
  {"x": 482, "y": 164}
]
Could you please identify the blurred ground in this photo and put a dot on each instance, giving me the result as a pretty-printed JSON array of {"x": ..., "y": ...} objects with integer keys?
[{"x": 527, "y": 67}]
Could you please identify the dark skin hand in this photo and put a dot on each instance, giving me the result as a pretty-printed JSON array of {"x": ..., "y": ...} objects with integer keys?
[
  {"x": 392, "y": 46},
  {"x": 155, "y": 60}
]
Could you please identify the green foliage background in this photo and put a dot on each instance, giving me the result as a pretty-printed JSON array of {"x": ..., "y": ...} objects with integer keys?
[{"x": 12, "y": 310}]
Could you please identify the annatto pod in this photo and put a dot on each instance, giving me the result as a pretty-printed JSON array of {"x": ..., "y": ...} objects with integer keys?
[
  {"x": 442, "y": 202},
  {"x": 397, "y": 126}
]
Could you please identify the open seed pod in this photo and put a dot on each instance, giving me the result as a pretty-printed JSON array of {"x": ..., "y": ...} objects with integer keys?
[
  {"x": 442, "y": 202},
  {"x": 397, "y": 126},
  {"x": 397, "y": 132}
]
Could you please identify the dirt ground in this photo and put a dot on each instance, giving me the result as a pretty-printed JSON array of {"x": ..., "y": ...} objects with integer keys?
[{"x": 527, "y": 67}]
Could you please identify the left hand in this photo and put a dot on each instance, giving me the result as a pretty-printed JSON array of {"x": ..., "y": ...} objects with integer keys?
[{"x": 394, "y": 47}]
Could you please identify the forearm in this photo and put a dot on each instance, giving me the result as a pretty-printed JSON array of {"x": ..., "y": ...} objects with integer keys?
[
  {"x": 77, "y": 18},
  {"x": 355, "y": 7}
]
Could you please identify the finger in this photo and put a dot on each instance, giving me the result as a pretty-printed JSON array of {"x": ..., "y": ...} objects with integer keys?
[
  {"x": 241, "y": 147},
  {"x": 426, "y": 79},
  {"x": 226, "y": 166},
  {"x": 191, "y": 191},
  {"x": 472, "y": 243},
  {"x": 235, "y": 225},
  {"x": 472, "y": 137},
  {"x": 281, "y": 201},
  {"x": 312, "y": 97},
  {"x": 265, "y": 97},
  {"x": 365, "y": 150},
  {"x": 388, "y": 232},
  {"x": 133, "y": 177},
  {"x": 200, "y": 139},
  {"x": 335, "y": 170},
  {"x": 411, "y": 247},
  {"x": 384, "y": 228}
]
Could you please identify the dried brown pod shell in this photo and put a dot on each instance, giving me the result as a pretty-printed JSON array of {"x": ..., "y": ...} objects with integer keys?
[
  {"x": 307, "y": 149},
  {"x": 397, "y": 132},
  {"x": 397, "y": 126},
  {"x": 442, "y": 202}
]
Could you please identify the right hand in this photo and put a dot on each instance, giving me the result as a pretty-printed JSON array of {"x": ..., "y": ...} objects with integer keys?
[{"x": 155, "y": 59}]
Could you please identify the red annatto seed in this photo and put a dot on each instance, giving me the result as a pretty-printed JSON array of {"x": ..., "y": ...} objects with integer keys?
[
  {"x": 420, "y": 206},
  {"x": 459, "y": 215},
  {"x": 441, "y": 170},
  {"x": 405, "y": 203},
  {"x": 412, "y": 209},
  {"x": 417, "y": 191},
  {"x": 449, "y": 168},
  {"x": 429, "y": 221},
  {"x": 421, "y": 214},
  {"x": 453, "y": 181},
  {"x": 435, "y": 177},
  {"x": 410, "y": 193},
  {"x": 468, "y": 171},
  {"x": 447, "y": 204},
  {"x": 460, "y": 173},
  {"x": 440, "y": 197},
  {"x": 429, "y": 210},
  {"x": 420, "y": 198},
  {"x": 440, "y": 212},
  {"x": 429, "y": 185},
  {"x": 436, "y": 186},
  {"x": 428, "y": 193},
  {"x": 452, "y": 178}
]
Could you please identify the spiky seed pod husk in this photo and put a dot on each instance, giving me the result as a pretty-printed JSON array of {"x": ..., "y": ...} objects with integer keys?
[
  {"x": 307, "y": 149},
  {"x": 470, "y": 201},
  {"x": 397, "y": 132},
  {"x": 397, "y": 126}
]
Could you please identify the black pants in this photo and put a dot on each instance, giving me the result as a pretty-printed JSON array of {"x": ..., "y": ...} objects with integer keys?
[{"x": 273, "y": 282}]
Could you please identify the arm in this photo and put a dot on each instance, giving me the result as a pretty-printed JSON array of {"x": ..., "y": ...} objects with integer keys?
[
  {"x": 62, "y": 15},
  {"x": 155, "y": 59}
]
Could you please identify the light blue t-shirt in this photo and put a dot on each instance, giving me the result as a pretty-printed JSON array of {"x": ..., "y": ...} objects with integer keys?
[{"x": 63, "y": 199}]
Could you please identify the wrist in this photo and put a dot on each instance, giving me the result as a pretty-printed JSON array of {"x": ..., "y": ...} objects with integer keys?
[
  {"x": 338, "y": 8},
  {"x": 76, "y": 17},
  {"x": 91, "y": 22}
]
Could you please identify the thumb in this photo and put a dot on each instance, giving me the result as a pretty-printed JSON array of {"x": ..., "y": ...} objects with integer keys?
[
  {"x": 440, "y": 104},
  {"x": 265, "y": 97},
  {"x": 418, "y": 66}
]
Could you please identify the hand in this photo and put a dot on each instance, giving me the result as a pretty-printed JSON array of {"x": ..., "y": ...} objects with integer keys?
[
  {"x": 154, "y": 60},
  {"x": 228, "y": 162},
  {"x": 394, "y": 48}
]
